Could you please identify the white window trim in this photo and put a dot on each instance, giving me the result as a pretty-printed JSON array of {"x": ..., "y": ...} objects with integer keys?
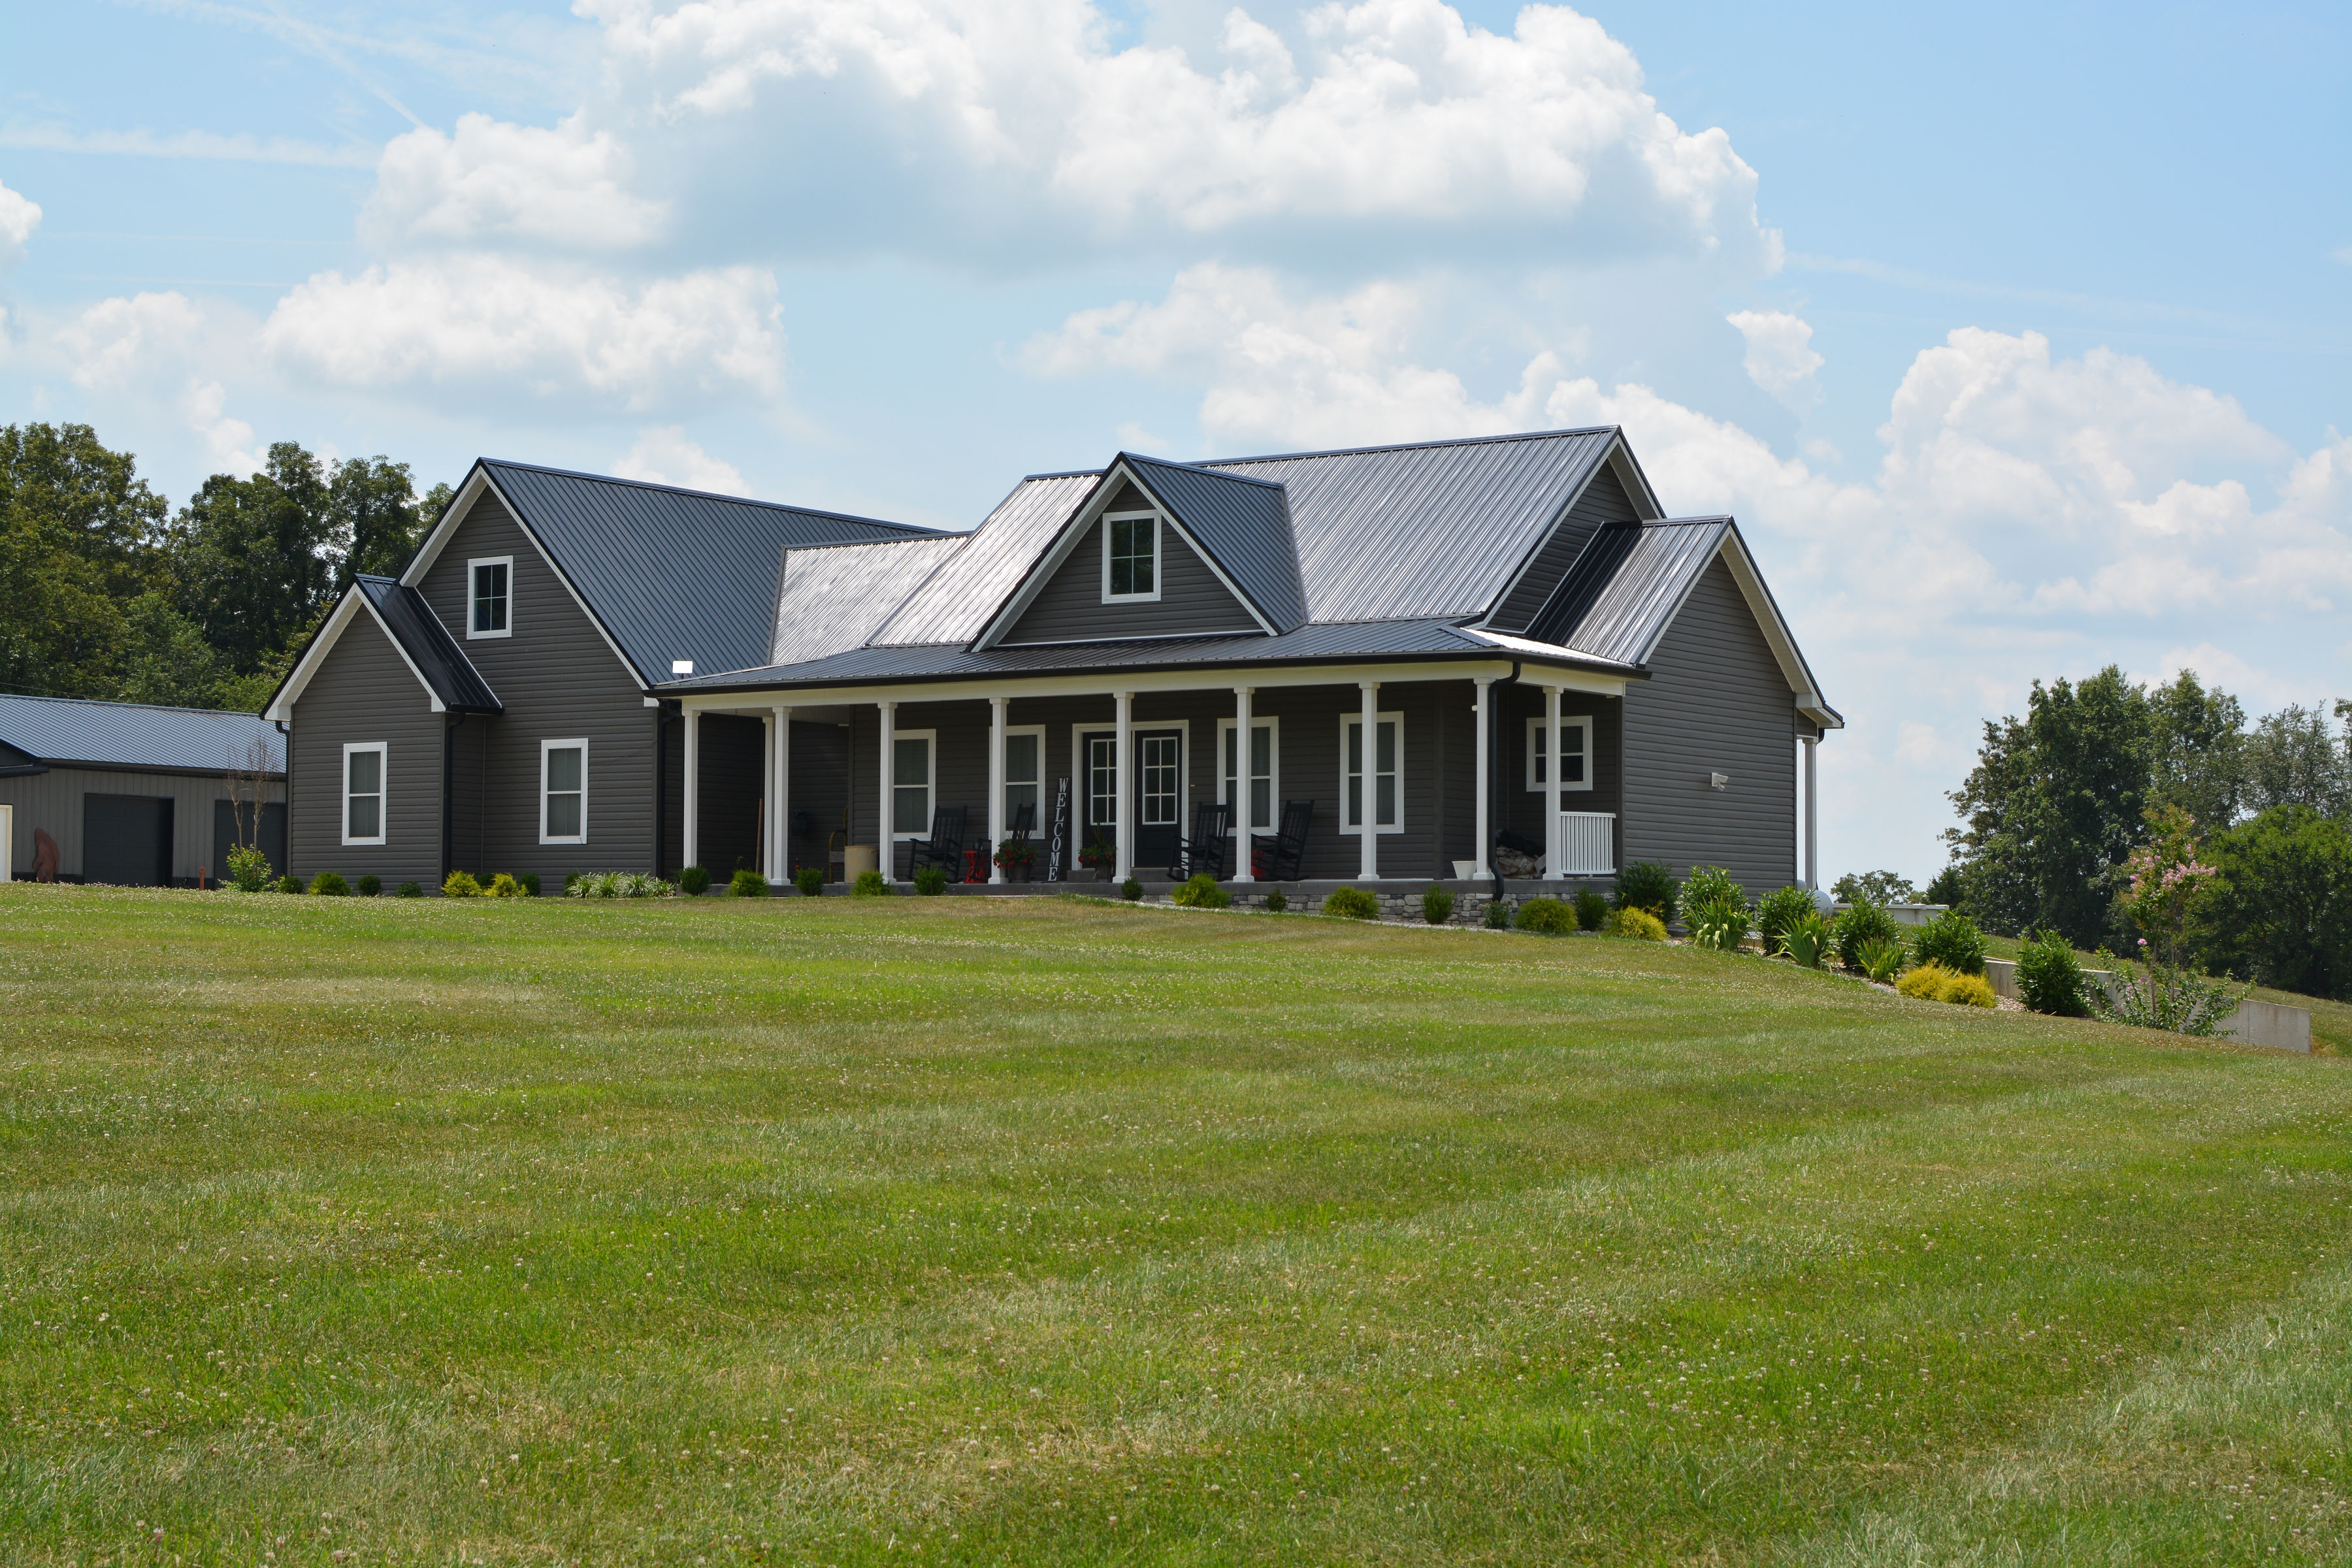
[
  {"x": 544, "y": 748},
  {"x": 931, "y": 784},
  {"x": 1533, "y": 753},
  {"x": 1371, "y": 757},
  {"x": 507, "y": 562},
  {"x": 1273, "y": 771},
  {"x": 1041, "y": 828},
  {"x": 1158, "y": 559},
  {"x": 383, "y": 750}
]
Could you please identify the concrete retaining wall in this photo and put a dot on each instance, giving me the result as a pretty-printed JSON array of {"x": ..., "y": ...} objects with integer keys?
[{"x": 2253, "y": 1023}]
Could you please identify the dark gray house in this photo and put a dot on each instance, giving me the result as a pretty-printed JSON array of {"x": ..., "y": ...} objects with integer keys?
[
  {"x": 134, "y": 794},
  {"x": 1432, "y": 650}
]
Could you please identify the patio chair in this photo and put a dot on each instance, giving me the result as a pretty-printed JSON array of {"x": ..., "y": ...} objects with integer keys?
[
  {"x": 1206, "y": 850},
  {"x": 1279, "y": 858},
  {"x": 943, "y": 848}
]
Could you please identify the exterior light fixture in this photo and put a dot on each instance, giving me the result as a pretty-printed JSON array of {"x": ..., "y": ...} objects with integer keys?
[
  {"x": 686, "y": 666},
  {"x": 1719, "y": 781}
]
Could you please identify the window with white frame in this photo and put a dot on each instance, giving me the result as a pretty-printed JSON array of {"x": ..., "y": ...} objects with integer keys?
[
  {"x": 365, "y": 763},
  {"x": 1102, "y": 781},
  {"x": 563, "y": 791},
  {"x": 1575, "y": 752},
  {"x": 1131, "y": 557},
  {"x": 1159, "y": 762},
  {"x": 1383, "y": 780},
  {"x": 1025, "y": 774},
  {"x": 912, "y": 762},
  {"x": 1264, "y": 774},
  {"x": 490, "y": 586}
]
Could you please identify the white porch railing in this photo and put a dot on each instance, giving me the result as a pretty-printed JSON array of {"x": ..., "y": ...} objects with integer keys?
[{"x": 1588, "y": 844}]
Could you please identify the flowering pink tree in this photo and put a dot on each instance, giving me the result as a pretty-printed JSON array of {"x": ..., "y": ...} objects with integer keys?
[{"x": 2167, "y": 875}]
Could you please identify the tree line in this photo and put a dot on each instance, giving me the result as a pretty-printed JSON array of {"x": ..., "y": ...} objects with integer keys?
[
  {"x": 2060, "y": 797},
  {"x": 113, "y": 595}
]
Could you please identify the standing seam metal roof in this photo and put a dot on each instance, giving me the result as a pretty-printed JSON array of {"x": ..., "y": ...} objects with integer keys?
[
  {"x": 65, "y": 730},
  {"x": 429, "y": 646},
  {"x": 1242, "y": 522},
  {"x": 834, "y": 596},
  {"x": 1620, "y": 597},
  {"x": 955, "y": 604}
]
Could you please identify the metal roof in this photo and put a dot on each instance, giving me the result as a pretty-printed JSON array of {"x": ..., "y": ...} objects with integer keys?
[
  {"x": 833, "y": 596},
  {"x": 68, "y": 730},
  {"x": 1623, "y": 592},
  {"x": 1436, "y": 529},
  {"x": 956, "y": 602},
  {"x": 1242, "y": 522},
  {"x": 674, "y": 573},
  {"x": 1425, "y": 638},
  {"x": 430, "y": 648}
]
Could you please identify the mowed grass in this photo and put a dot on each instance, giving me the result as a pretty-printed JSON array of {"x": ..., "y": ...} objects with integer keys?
[{"x": 1041, "y": 1231}]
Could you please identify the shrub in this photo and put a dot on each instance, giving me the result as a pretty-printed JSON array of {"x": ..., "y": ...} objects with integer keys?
[
  {"x": 931, "y": 881},
  {"x": 642, "y": 885},
  {"x": 1352, "y": 903},
  {"x": 810, "y": 881},
  {"x": 1711, "y": 890},
  {"x": 289, "y": 883},
  {"x": 409, "y": 891},
  {"x": 1201, "y": 892},
  {"x": 1276, "y": 900},
  {"x": 461, "y": 885},
  {"x": 1969, "y": 990},
  {"x": 1550, "y": 917},
  {"x": 1646, "y": 885},
  {"x": 329, "y": 885},
  {"x": 503, "y": 886},
  {"x": 1808, "y": 940},
  {"x": 1923, "y": 982},
  {"x": 1882, "y": 960},
  {"x": 2163, "y": 997},
  {"x": 369, "y": 886},
  {"x": 2050, "y": 977},
  {"x": 870, "y": 885},
  {"x": 528, "y": 882},
  {"x": 581, "y": 884},
  {"x": 249, "y": 869},
  {"x": 747, "y": 884},
  {"x": 1781, "y": 908},
  {"x": 1132, "y": 889},
  {"x": 1436, "y": 905},
  {"x": 1862, "y": 924},
  {"x": 1591, "y": 909},
  {"x": 1637, "y": 925},
  {"x": 694, "y": 881},
  {"x": 1934, "y": 983},
  {"x": 1952, "y": 940},
  {"x": 1497, "y": 916}
]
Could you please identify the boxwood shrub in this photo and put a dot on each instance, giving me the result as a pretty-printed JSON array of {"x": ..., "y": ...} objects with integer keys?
[
  {"x": 1549, "y": 917},
  {"x": 1352, "y": 903}
]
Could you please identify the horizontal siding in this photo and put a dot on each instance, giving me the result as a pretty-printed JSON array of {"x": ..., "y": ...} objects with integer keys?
[
  {"x": 363, "y": 690},
  {"x": 1716, "y": 703},
  {"x": 1522, "y": 808},
  {"x": 1604, "y": 501},
  {"x": 53, "y": 802},
  {"x": 1070, "y": 608}
]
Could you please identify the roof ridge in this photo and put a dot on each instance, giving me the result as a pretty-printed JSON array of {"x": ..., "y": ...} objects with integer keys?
[
  {"x": 1402, "y": 446},
  {"x": 916, "y": 530},
  {"x": 877, "y": 543},
  {"x": 1204, "y": 468}
]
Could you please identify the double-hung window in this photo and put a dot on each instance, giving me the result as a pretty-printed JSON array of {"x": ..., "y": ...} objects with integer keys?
[
  {"x": 364, "y": 765},
  {"x": 1102, "y": 782},
  {"x": 1575, "y": 753},
  {"x": 1131, "y": 557},
  {"x": 910, "y": 783},
  {"x": 563, "y": 791},
  {"x": 1377, "y": 781},
  {"x": 490, "y": 586},
  {"x": 1025, "y": 775},
  {"x": 1253, "y": 807}
]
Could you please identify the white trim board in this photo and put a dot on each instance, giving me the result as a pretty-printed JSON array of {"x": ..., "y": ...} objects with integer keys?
[
  {"x": 930, "y": 782},
  {"x": 382, "y": 792},
  {"x": 474, "y": 564},
  {"x": 546, "y": 746}
]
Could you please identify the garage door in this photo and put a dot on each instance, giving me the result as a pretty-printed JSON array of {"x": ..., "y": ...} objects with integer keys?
[{"x": 126, "y": 839}]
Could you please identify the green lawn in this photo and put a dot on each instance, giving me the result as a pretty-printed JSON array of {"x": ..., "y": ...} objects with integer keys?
[
  {"x": 1038, "y": 1232},
  {"x": 2331, "y": 1021}
]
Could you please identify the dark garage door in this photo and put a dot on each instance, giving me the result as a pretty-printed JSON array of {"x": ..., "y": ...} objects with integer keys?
[
  {"x": 126, "y": 839},
  {"x": 273, "y": 835}
]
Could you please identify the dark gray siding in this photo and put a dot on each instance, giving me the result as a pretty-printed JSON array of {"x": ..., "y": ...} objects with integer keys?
[
  {"x": 733, "y": 774},
  {"x": 1522, "y": 808},
  {"x": 53, "y": 801},
  {"x": 1603, "y": 501},
  {"x": 558, "y": 680},
  {"x": 820, "y": 794},
  {"x": 363, "y": 690},
  {"x": 1716, "y": 702},
  {"x": 1070, "y": 607}
]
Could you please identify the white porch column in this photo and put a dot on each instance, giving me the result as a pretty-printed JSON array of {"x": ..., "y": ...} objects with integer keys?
[
  {"x": 996, "y": 722},
  {"x": 1486, "y": 761},
  {"x": 1242, "y": 823},
  {"x": 1368, "y": 865},
  {"x": 690, "y": 809},
  {"x": 779, "y": 797},
  {"x": 1813, "y": 821},
  {"x": 1123, "y": 834},
  {"x": 885, "y": 853},
  {"x": 1555, "y": 849}
]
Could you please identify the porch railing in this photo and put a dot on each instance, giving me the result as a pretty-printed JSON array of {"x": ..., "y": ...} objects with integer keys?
[{"x": 1588, "y": 844}]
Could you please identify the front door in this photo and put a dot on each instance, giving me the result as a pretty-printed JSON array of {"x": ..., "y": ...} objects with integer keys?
[{"x": 1159, "y": 795}]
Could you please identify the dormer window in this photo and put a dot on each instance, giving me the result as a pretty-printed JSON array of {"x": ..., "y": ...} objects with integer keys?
[
  {"x": 490, "y": 581},
  {"x": 1131, "y": 557}
]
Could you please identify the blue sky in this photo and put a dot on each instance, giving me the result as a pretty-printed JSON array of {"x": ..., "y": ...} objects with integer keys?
[{"x": 2019, "y": 338}]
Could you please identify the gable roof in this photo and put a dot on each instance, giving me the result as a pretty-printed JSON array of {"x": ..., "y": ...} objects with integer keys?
[
  {"x": 665, "y": 573},
  {"x": 1241, "y": 524},
  {"x": 67, "y": 731},
  {"x": 456, "y": 685}
]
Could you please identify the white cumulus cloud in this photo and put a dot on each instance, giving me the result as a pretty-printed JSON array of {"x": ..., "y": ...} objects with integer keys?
[
  {"x": 1780, "y": 356},
  {"x": 495, "y": 182},
  {"x": 19, "y": 216},
  {"x": 663, "y": 456},
  {"x": 132, "y": 342}
]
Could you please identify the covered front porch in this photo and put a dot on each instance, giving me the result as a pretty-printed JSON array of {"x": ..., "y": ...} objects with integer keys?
[{"x": 1396, "y": 774}]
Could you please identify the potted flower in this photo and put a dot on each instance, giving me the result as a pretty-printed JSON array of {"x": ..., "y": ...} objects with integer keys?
[
  {"x": 1016, "y": 857},
  {"x": 1099, "y": 857}
]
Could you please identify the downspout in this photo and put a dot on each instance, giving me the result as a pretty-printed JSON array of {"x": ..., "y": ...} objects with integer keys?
[
  {"x": 448, "y": 778},
  {"x": 287, "y": 735},
  {"x": 1493, "y": 741}
]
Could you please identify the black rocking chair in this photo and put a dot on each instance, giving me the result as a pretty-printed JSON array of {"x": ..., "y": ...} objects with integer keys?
[
  {"x": 1206, "y": 850},
  {"x": 1278, "y": 858},
  {"x": 943, "y": 848},
  {"x": 1025, "y": 823}
]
